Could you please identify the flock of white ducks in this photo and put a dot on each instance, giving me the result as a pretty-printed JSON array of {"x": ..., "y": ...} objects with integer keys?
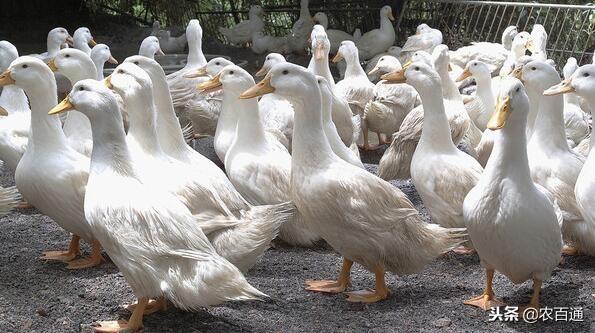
[{"x": 184, "y": 231}]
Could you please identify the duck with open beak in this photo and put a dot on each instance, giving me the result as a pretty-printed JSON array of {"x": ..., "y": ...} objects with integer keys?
[{"x": 210, "y": 86}]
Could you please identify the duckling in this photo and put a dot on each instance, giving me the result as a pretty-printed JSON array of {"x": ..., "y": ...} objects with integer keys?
[
  {"x": 149, "y": 47},
  {"x": 505, "y": 213},
  {"x": 442, "y": 189},
  {"x": 148, "y": 233},
  {"x": 100, "y": 54},
  {"x": 553, "y": 164},
  {"x": 51, "y": 175},
  {"x": 391, "y": 103},
  {"x": 242, "y": 32},
  {"x": 364, "y": 218},
  {"x": 582, "y": 83},
  {"x": 76, "y": 65}
]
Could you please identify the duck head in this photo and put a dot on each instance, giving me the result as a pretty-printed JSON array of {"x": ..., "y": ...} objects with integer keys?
[
  {"x": 387, "y": 11},
  {"x": 256, "y": 11},
  {"x": 512, "y": 105},
  {"x": 29, "y": 74},
  {"x": 321, "y": 18},
  {"x": 271, "y": 60},
  {"x": 102, "y": 53},
  {"x": 150, "y": 47},
  {"x": 475, "y": 68},
  {"x": 320, "y": 44},
  {"x": 232, "y": 79},
  {"x": 59, "y": 36},
  {"x": 93, "y": 99},
  {"x": 347, "y": 51},
  {"x": 582, "y": 82},
  {"x": 521, "y": 42},
  {"x": 8, "y": 53},
  {"x": 508, "y": 36},
  {"x": 212, "y": 68},
  {"x": 74, "y": 64},
  {"x": 130, "y": 80},
  {"x": 537, "y": 76},
  {"x": 386, "y": 64},
  {"x": 570, "y": 67},
  {"x": 83, "y": 35},
  {"x": 441, "y": 58}
]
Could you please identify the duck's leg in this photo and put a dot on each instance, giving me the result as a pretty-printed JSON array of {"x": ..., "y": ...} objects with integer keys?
[
  {"x": 569, "y": 250},
  {"x": 367, "y": 145},
  {"x": 486, "y": 300},
  {"x": 24, "y": 205},
  {"x": 95, "y": 259},
  {"x": 534, "y": 303},
  {"x": 153, "y": 306},
  {"x": 463, "y": 250},
  {"x": 134, "y": 324},
  {"x": 68, "y": 255},
  {"x": 371, "y": 295},
  {"x": 330, "y": 286}
]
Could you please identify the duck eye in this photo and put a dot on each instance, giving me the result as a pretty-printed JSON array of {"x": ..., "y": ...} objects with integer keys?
[
  {"x": 533, "y": 68},
  {"x": 120, "y": 71},
  {"x": 24, "y": 66},
  {"x": 230, "y": 72},
  {"x": 217, "y": 63},
  {"x": 67, "y": 56},
  {"x": 81, "y": 88},
  {"x": 285, "y": 72},
  {"x": 586, "y": 75},
  {"x": 518, "y": 89},
  {"x": 416, "y": 68},
  {"x": 136, "y": 62}
]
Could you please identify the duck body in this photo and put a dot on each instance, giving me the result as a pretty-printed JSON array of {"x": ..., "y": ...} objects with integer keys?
[
  {"x": 242, "y": 32},
  {"x": 505, "y": 213},
  {"x": 378, "y": 40},
  {"x": 425, "y": 39}
]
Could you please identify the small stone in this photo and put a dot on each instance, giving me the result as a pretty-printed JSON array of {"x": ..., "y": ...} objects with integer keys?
[
  {"x": 42, "y": 312},
  {"x": 442, "y": 322}
]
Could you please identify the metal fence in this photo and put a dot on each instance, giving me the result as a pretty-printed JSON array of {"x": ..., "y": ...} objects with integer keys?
[{"x": 570, "y": 28}]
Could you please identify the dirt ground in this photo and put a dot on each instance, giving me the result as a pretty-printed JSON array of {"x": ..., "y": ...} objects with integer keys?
[{"x": 39, "y": 296}]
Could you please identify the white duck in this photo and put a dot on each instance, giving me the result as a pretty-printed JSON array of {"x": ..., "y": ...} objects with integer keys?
[
  {"x": 393, "y": 51},
  {"x": 553, "y": 164},
  {"x": 100, "y": 54},
  {"x": 520, "y": 43},
  {"x": 538, "y": 43},
  {"x": 425, "y": 39},
  {"x": 16, "y": 122},
  {"x": 82, "y": 38},
  {"x": 196, "y": 59},
  {"x": 492, "y": 54},
  {"x": 202, "y": 109},
  {"x": 148, "y": 233},
  {"x": 512, "y": 223},
  {"x": 258, "y": 165},
  {"x": 348, "y": 125},
  {"x": 396, "y": 161},
  {"x": 76, "y": 65},
  {"x": 149, "y": 47},
  {"x": 481, "y": 106},
  {"x": 228, "y": 119},
  {"x": 193, "y": 180},
  {"x": 262, "y": 43},
  {"x": 442, "y": 174},
  {"x": 242, "y": 32},
  {"x": 51, "y": 175},
  {"x": 347, "y": 203},
  {"x": 576, "y": 121},
  {"x": 335, "y": 36},
  {"x": 56, "y": 37},
  {"x": 330, "y": 130},
  {"x": 355, "y": 88},
  {"x": 582, "y": 83},
  {"x": 378, "y": 40},
  {"x": 391, "y": 103},
  {"x": 173, "y": 44},
  {"x": 298, "y": 39}
]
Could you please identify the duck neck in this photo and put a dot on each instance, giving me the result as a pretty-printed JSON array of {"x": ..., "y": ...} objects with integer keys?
[
  {"x": 321, "y": 67},
  {"x": 77, "y": 122},
  {"x": 195, "y": 56},
  {"x": 385, "y": 24},
  {"x": 99, "y": 64},
  {"x": 304, "y": 10},
  {"x": 249, "y": 128},
  {"x": 436, "y": 131},
  {"x": 509, "y": 156},
  {"x": 46, "y": 130},
  {"x": 82, "y": 45},
  {"x": 310, "y": 148},
  {"x": 13, "y": 99},
  {"x": 53, "y": 48},
  {"x": 110, "y": 151},
  {"x": 534, "y": 99},
  {"x": 142, "y": 128},
  {"x": 354, "y": 69},
  {"x": 449, "y": 88},
  {"x": 484, "y": 91},
  {"x": 228, "y": 118},
  {"x": 571, "y": 98},
  {"x": 169, "y": 132},
  {"x": 548, "y": 129}
]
